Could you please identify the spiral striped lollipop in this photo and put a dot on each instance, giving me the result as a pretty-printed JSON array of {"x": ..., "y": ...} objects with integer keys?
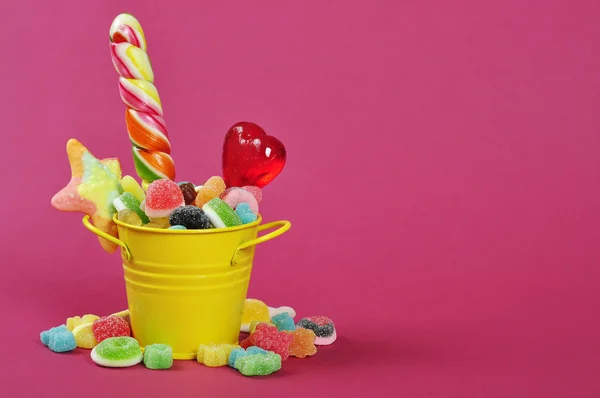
[{"x": 144, "y": 114}]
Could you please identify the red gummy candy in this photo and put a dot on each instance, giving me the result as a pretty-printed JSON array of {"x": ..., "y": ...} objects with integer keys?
[
  {"x": 250, "y": 156},
  {"x": 110, "y": 326},
  {"x": 268, "y": 338}
]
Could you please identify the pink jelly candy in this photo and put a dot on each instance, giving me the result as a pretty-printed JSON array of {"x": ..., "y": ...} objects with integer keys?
[
  {"x": 269, "y": 338},
  {"x": 235, "y": 196},
  {"x": 110, "y": 326},
  {"x": 162, "y": 198}
]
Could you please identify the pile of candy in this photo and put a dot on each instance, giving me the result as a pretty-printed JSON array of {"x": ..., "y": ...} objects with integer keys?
[{"x": 273, "y": 338}]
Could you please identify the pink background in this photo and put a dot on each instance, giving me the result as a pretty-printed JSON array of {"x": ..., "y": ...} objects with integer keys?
[{"x": 442, "y": 183}]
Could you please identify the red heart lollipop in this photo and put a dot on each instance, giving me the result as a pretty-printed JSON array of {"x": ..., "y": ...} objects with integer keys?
[{"x": 250, "y": 156}]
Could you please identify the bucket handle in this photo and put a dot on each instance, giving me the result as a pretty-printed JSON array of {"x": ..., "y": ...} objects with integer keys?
[
  {"x": 104, "y": 235},
  {"x": 283, "y": 225}
]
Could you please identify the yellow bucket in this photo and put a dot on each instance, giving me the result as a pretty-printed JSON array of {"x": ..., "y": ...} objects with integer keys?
[{"x": 187, "y": 287}]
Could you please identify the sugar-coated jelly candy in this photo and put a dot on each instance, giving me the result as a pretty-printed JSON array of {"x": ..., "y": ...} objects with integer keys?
[
  {"x": 162, "y": 198},
  {"x": 84, "y": 336},
  {"x": 283, "y": 321},
  {"x": 130, "y": 185},
  {"x": 258, "y": 364},
  {"x": 250, "y": 156},
  {"x": 190, "y": 217},
  {"x": 279, "y": 310},
  {"x": 189, "y": 192},
  {"x": 214, "y": 355},
  {"x": 59, "y": 339},
  {"x": 117, "y": 352},
  {"x": 158, "y": 356},
  {"x": 125, "y": 315},
  {"x": 240, "y": 352},
  {"x": 220, "y": 214},
  {"x": 254, "y": 324},
  {"x": 110, "y": 326},
  {"x": 75, "y": 321},
  {"x": 212, "y": 188},
  {"x": 235, "y": 196},
  {"x": 323, "y": 328},
  {"x": 245, "y": 214},
  {"x": 130, "y": 218},
  {"x": 303, "y": 343},
  {"x": 269, "y": 338},
  {"x": 129, "y": 202},
  {"x": 254, "y": 310}
]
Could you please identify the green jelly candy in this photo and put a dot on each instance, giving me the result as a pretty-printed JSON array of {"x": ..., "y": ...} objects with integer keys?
[
  {"x": 259, "y": 364},
  {"x": 220, "y": 214},
  {"x": 158, "y": 356},
  {"x": 117, "y": 352},
  {"x": 130, "y": 202}
]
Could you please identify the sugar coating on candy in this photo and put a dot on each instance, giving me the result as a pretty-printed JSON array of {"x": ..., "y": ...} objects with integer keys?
[
  {"x": 220, "y": 214},
  {"x": 212, "y": 188},
  {"x": 180, "y": 227},
  {"x": 45, "y": 335},
  {"x": 279, "y": 310},
  {"x": 117, "y": 352},
  {"x": 125, "y": 315},
  {"x": 214, "y": 355},
  {"x": 254, "y": 324},
  {"x": 75, "y": 321},
  {"x": 255, "y": 191},
  {"x": 191, "y": 217},
  {"x": 259, "y": 364},
  {"x": 270, "y": 339},
  {"x": 235, "y": 196},
  {"x": 84, "y": 336},
  {"x": 303, "y": 343},
  {"x": 130, "y": 185},
  {"x": 129, "y": 202},
  {"x": 283, "y": 321},
  {"x": 59, "y": 339},
  {"x": 189, "y": 192},
  {"x": 162, "y": 198},
  {"x": 254, "y": 310},
  {"x": 158, "y": 356},
  {"x": 130, "y": 218},
  {"x": 245, "y": 214},
  {"x": 240, "y": 352},
  {"x": 322, "y": 326},
  {"x": 110, "y": 326}
]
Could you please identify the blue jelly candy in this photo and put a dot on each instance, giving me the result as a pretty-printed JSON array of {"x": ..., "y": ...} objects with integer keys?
[
  {"x": 244, "y": 212},
  {"x": 283, "y": 321},
  {"x": 240, "y": 352},
  {"x": 59, "y": 339},
  {"x": 45, "y": 335}
]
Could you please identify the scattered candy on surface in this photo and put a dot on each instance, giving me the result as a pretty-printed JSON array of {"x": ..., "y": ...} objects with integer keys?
[
  {"x": 254, "y": 310},
  {"x": 129, "y": 202},
  {"x": 235, "y": 196},
  {"x": 162, "y": 198},
  {"x": 303, "y": 343},
  {"x": 279, "y": 310},
  {"x": 110, "y": 326},
  {"x": 250, "y": 156},
  {"x": 220, "y": 214},
  {"x": 59, "y": 339},
  {"x": 245, "y": 214},
  {"x": 117, "y": 352},
  {"x": 158, "y": 356},
  {"x": 322, "y": 326},
  {"x": 259, "y": 364},
  {"x": 130, "y": 185},
  {"x": 240, "y": 352},
  {"x": 211, "y": 189},
  {"x": 283, "y": 321},
  {"x": 215, "y": 355},
  {"x": 270, "y": 339},
  {"x": 189, "y": 192},
  {"x": 75, "y": 321},
  {"x": 191, "y": 217},
  {"x": 129, "y": 217},
  {"x": 84, "y": 336},
  {"x": 94, "y": 185}
]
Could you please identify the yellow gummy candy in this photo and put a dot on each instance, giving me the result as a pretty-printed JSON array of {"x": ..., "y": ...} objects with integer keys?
[
  {"x": 255, "y": 310},
  {"x": 84, "y": 337},
  {"x": 75, "y": 321},
  {"x": 130, "y": 185},
  {"x": 215, "y": 355}
]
